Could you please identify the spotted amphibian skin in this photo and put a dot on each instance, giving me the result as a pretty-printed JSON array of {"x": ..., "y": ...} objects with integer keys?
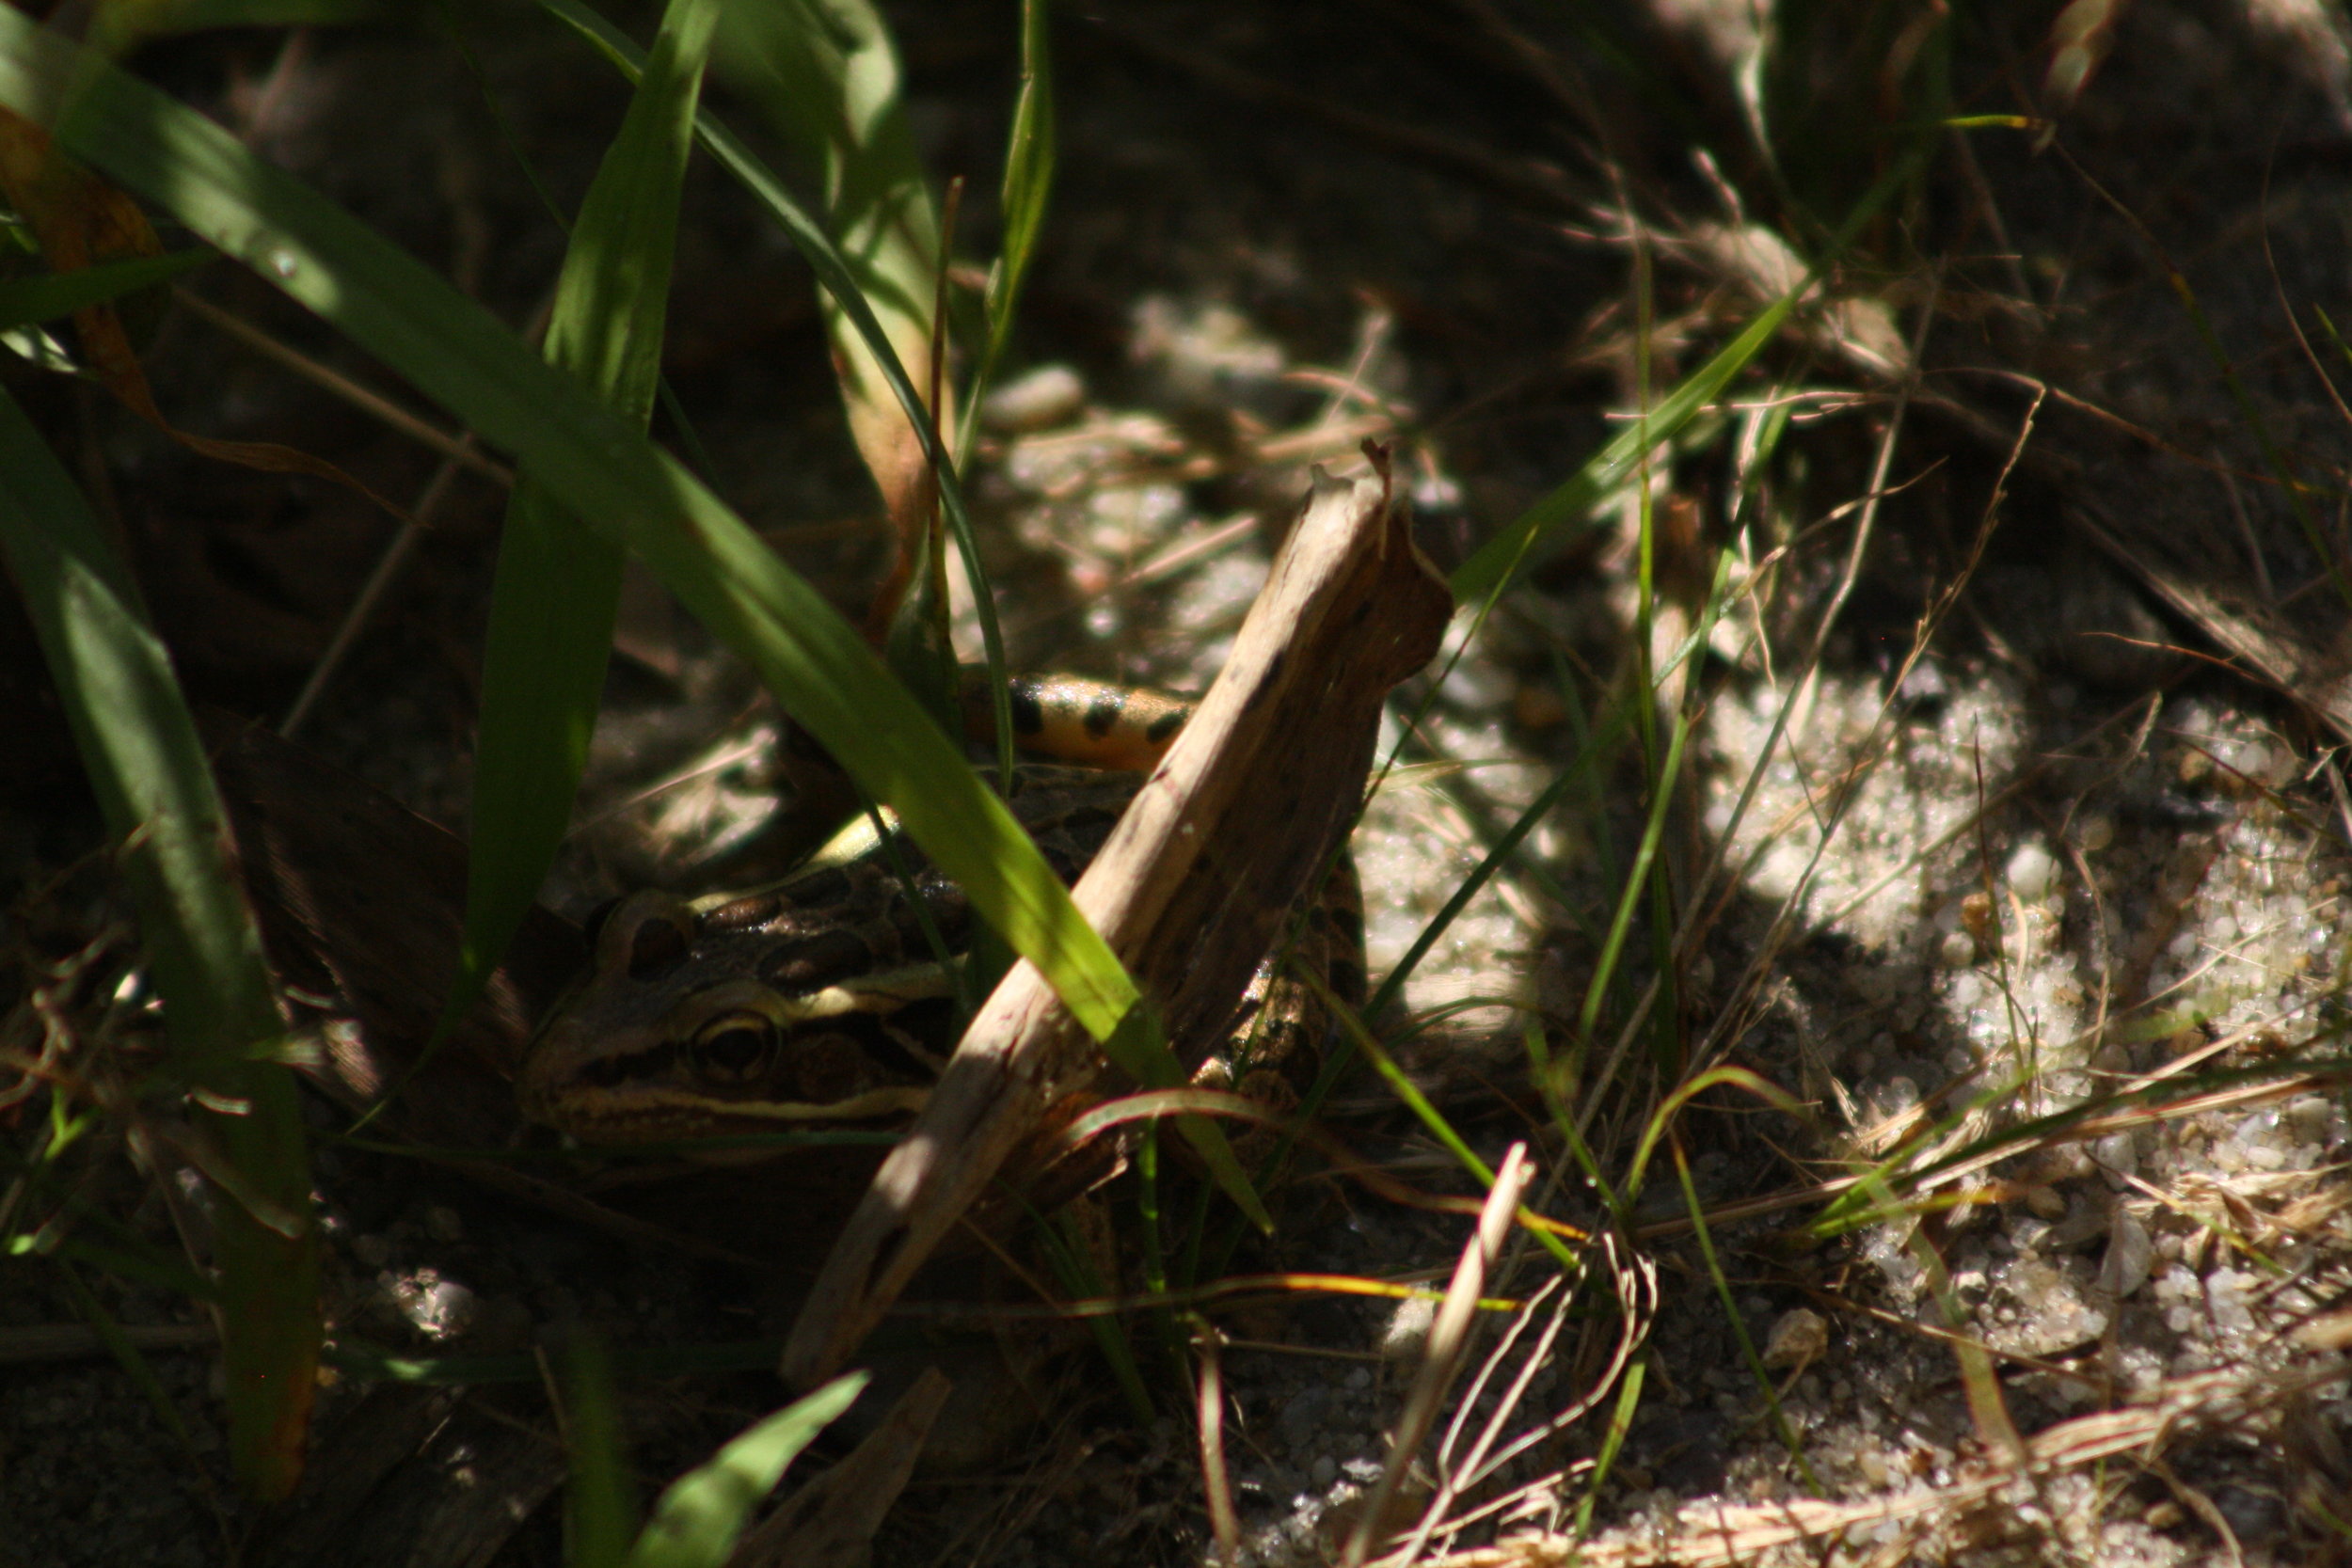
[
  {"x": 827, "y": 1000},
  {"x": 1084, "y": 722},
  {"x": 816, "y": 1001}
]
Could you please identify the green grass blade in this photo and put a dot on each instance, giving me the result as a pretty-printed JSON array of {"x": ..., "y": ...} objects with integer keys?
[
  {"x": 1705, "y": 1236},
  {"x": 559, "y": 581},
  {"x": 461, "y": 356},
  {"x": 148, "y": 769},
  {"x": 1414, "y": 1101},
  {"x": 1029, "y": 153},
  {"x": 1654, "y": 1131},
  {"x": 359, "y": 1360},
  {"x": 1063, "y": 1242},
  {"x": 125, "y": 1255},
  {"x": 1491, "y": 568},
  {"x": 601, "y": 1506},
  {"x": 834, "y": 271},
  {"x": 697, "y": 1520},
  {"x": 825, "y": 74},
  {"x": 26, "y": 300},
  {"x": 2274, "y": 458},
  {"x": 1505, "y": 848},
  {"x": 1613, "y": 1439}
]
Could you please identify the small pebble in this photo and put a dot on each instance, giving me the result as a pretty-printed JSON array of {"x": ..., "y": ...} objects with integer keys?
[
  {"x": 1048, "y": 396},
  {"x": 436, "y": 1307},
  {"x": 2225, "y": 1301},
  {"x": 2130, "y": 1253},
  {"x": 2117, "y": 1157},
  {"x": 2032, "y": 873},
  {"x": 1799, "y": 1335},
  {"x": 1407, "y": 1329}
]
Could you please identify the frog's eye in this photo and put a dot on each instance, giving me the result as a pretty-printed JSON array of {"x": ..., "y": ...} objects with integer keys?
[
  {"x": 658, "y": 945},
  {"x": 736, "y": 1048}
]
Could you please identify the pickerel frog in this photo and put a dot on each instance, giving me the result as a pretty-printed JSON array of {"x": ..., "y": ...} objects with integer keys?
[{"x": 821, "y": 1002}]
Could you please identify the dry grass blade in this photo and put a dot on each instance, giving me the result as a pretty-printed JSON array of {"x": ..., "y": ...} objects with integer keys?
[
  {"x": 1712, "y": 1534},
  {"x": 1190, "y": 890},
  {"x": 454, "y": 446},
  {"x": 1635, "y": 1282},
  {"x": 1449, "y": 1335},
  {"x": 1208, "y": 1417},
  {"x": 1461, "y": 1473},
  {"x": 388, "y": 567}
]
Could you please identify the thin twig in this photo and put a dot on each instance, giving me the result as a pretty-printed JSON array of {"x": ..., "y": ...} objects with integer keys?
[
  {"x": 388, "y": 569},
  {"x": 459, "y": 447}
]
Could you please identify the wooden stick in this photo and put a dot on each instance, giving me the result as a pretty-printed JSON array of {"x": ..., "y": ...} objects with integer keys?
[{"x": 1190, "y": 892}]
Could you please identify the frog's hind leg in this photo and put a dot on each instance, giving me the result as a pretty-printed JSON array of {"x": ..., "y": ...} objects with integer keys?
[
  {"x": 1069, "y": 719},
  {"x": 1281, "y": 1030}
]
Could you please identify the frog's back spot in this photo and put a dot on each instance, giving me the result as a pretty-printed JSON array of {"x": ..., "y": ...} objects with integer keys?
[
  {"x": 820, "y": 890},
  {"x": 744, "y": 915},
  {"x": 812, "y": 962}
]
